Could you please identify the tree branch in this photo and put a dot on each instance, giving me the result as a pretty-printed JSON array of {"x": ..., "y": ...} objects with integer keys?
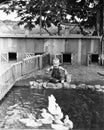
[{"x": 47, "y": 31}]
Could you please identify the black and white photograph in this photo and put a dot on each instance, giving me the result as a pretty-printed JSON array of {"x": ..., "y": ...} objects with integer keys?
[{"x": 52, "y": 64}]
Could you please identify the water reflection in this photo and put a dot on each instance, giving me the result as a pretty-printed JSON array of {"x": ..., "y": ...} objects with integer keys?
[{"x": 84, "y": 107}]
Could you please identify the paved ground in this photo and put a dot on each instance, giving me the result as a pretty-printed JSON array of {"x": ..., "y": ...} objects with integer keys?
[
  {"x": 80, "y": 74},
  {"x": 86, "y": 74}
]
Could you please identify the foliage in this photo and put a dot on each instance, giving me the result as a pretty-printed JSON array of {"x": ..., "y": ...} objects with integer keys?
[
  {"x": 45, "y": 13},
  {"x": 4, "y": 1},
  {"x": 85, "y": 10}
]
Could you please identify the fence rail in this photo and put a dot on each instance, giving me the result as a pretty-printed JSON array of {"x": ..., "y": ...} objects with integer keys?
[{"x": 19, "y": 69}]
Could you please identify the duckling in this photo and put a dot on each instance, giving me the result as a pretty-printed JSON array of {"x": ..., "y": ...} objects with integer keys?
[
  {"x": 31, "y": 84},
  {"x": 57, "y": 120},
  {"x": 30, "y": 121},
  {"x": 47, "y": 118},
  {"x": 67, "y": 122},
  {"x": 59, "y": 127}
]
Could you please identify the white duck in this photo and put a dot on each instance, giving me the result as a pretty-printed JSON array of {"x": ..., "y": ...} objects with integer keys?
[
  {"x": 66, "y": 125},
  {"x": 51, "y": 104},
  {"x": 57, "y": 120},
  {"x": 47, "y": 118},
  {"x": 67, "y": 122},
  {"x": 53, "y": 107},
  {"x": 59, "y": 127},
  {"x": 30, "y": 121},
  {"x": 58, "y": 111}
]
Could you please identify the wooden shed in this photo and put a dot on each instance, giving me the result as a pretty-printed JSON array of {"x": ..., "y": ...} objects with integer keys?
[{"x": 70, "y": 49}]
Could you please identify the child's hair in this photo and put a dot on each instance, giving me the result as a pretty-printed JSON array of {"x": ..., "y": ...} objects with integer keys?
[{"x": 56, "y": 62}]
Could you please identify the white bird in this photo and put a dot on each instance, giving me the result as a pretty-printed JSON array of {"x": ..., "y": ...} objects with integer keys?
[
  {"x": 58, "y": 111},
  {"x": 53, "y": 107},
  {"x": 66, "y": 125},
  {"x": 30, "y": 121},
  {"x": 51, "y": 104},
  {"x": 47, "y": 118},
  {"x": 31, "y": 83},
  {"x": 57, "y": 120},
  {"x": 67, "y": 122},
  {"x": 59, "y": 127}
]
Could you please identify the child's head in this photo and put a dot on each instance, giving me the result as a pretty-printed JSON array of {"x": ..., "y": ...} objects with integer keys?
[{"x": 56, "y": 62}]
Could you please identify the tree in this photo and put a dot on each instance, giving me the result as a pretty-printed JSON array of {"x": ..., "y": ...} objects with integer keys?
[
  {"x": 85, "y": 10},
  {"x": 42, "y": 12},
  {"x": 48, "y": 12},
  {"x": 4, "y": 1}
]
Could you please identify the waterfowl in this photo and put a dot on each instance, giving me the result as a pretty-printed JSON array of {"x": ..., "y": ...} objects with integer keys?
[
  {"x": 47, "y": 118},
  {"x": 59, "y": 127},
  {"x": 67, "y": 122},
  {"x": 57, "y": 120},
  {"x": 30, "y": 122},
  {"x": 58, "y": 111},
  {"x": 31, "y": 83},
  {"x": 51, "y": 104},
  {"x": 53, "y": 107},
  {"x": 66, "y": 125}
]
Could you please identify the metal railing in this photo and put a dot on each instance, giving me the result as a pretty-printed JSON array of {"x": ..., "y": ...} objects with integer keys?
[{"x": 19, "y": 69}]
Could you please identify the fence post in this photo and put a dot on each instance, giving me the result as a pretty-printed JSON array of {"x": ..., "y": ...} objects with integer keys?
[{"x": 40, "y": 62}]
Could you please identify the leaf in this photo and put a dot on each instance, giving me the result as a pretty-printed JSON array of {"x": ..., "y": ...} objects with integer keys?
[{"x": 54, "y": 11}]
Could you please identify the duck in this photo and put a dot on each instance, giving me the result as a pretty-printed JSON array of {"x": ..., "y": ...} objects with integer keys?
[
  {"x": 59, "y": 127},
  {"x": 47, "y": 118},
  {"x": 65, "y": 125},
  {"x": 31, "y": 83},
  {"x": 51, "y": 104},
  {"x": 30, "y": 121},
  {"x": 57, "y": 120},
  {"x": 53, "y": 107},
  {"x": 59, "y": 113},
  {"x": 67, "y": 122}
]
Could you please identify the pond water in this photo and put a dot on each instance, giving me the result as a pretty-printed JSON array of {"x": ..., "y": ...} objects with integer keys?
[{"x": 84, "y": 107}]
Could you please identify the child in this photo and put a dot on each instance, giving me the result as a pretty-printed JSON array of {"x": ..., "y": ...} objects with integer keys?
[{"x": 58, "y": 73}]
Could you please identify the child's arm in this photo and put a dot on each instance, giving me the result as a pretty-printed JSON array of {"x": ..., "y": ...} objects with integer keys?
[
  {"x": 49, "y": 69},
  {"x": 64, "y": 70},
  {"x": 64, "y": 77}
]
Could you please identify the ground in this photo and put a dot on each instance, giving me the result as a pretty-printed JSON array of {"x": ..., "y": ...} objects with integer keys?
[
  {"x": 80, "y": 74},
  {"x": 86, "y": 74}
]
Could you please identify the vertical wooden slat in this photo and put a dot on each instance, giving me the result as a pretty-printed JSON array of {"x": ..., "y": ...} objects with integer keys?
[{"x": 79, "y": 51}]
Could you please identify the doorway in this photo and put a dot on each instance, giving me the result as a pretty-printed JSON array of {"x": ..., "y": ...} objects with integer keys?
[
  {"x": 94, "y": 58},
  {"x": 12, "y": 56},
  {"x": 67, "y": 58}
]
